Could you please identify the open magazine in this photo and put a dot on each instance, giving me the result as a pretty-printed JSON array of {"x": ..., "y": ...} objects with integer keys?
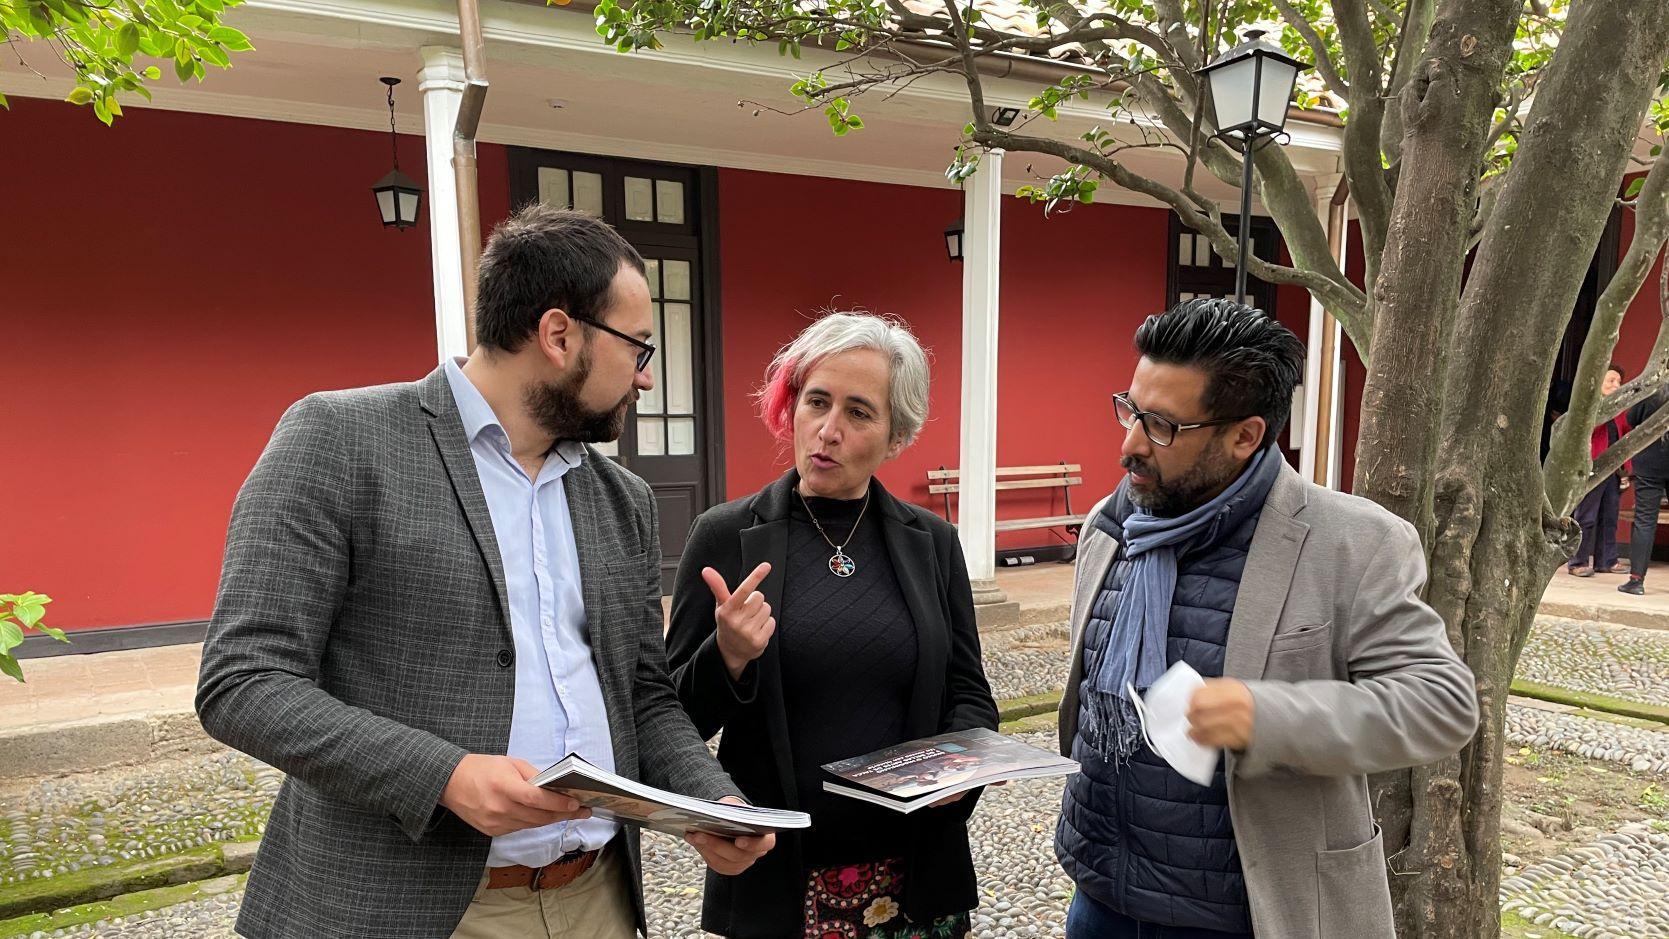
[
  {"x": 910, "y": 775},
  {"x": 611, "y": 796}
]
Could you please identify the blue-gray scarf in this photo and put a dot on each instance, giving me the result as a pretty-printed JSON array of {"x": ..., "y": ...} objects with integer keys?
[{"x": 1133, "y": 648}]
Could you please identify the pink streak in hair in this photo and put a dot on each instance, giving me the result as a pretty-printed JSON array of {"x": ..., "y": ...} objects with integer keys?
[{"x": 776, "y": 401}]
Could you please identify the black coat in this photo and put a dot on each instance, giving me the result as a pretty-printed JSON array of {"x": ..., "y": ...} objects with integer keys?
[
  {"x": 1652, "y": 462},
  {"x": 951, "y": 693}
]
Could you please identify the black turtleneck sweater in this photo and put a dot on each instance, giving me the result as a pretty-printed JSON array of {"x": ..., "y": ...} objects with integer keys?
[{"x": 848, "y": 647}]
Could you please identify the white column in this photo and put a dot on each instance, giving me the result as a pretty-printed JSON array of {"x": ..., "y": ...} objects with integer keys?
[
  {"x": 442, "y": 84},
  {"x": 977, "y": 497},
  {"x": 1309, "y": 420},
  {"x": 1325, "y": 356}
]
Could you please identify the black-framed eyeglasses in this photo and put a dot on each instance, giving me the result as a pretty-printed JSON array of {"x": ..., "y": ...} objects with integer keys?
[
  {"x": 645, "y": 350},
  {"x": 1161, "y": 430}
]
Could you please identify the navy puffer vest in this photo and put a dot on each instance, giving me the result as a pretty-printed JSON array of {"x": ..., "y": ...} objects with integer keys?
[{"x": 1139, "y": 838}]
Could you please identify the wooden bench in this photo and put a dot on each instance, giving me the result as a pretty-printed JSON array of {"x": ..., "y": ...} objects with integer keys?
[{"x": 1062, "y": 476}]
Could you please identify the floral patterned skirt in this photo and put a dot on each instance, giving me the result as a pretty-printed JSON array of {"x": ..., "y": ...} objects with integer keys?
[{"x": 861, "y": 901}]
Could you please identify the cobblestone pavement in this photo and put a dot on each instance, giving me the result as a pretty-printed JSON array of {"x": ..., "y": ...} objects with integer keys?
[
  {"x": 1617, "y": 887},
  {"x": 1602, "y": 658},
  {"x": 1023, "y": 892},
  {"x": 1599, "y": 890}
]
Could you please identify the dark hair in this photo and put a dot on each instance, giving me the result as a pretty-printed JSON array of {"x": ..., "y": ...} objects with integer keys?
[
  {"x": 542, "y": 258},
  {"x": 1251, "y": 361},
  {"x": 1614, "y": 367}
]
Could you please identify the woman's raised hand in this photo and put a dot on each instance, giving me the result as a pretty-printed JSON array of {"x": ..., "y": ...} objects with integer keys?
[{"x": 745, "y": 623}]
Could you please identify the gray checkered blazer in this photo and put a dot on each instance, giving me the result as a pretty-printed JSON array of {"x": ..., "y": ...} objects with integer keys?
[{"x": 360, "y": 644}]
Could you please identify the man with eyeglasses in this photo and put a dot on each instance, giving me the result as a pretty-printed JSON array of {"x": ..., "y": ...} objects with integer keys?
[
  {"x": 1299, "y": 606},
  {"x": 433, "y": 590}
]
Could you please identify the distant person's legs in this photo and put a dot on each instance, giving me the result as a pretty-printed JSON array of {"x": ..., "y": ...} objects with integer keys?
[
  {"x": 1648, "y": 496},
  {"x": 1587, "y": 516},
  {"x": 1605, "y": 526}
]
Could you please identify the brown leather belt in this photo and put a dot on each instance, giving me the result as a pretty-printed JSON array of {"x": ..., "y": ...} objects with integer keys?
[{"x": 553, "y": 876}]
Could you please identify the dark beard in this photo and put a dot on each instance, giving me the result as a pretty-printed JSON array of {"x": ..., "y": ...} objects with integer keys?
[
  {"x": 1168, "y": 499},
  {"x": 557, "y": 408}
]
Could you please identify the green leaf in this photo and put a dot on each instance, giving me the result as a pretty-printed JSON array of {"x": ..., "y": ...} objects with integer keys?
[
  {"x": 152, "y": 72},
  {"x": 29, "y": 613},
  {"x": 9, "y": 666},
  {"x": 4, "y": 103},
  {"x": 127, "y": 39},
  {"x": 54, "y": 632},
  {"x": 1635, "y": 187},
  {"x": 183, "y": 68},
  {"x": 855, "y": 123},
  {"x": 103, "y": 111},
  {"x": 190, "y": 21},
  {"x": 232, "y": 39},
  {"x": 11, "y": 635},
  {"x": 214, "y": 55},
  {"x": 81, "y": 94}
]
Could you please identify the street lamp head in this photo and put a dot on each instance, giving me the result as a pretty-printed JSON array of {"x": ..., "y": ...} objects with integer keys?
[
  {"x": 1251, "y": 86},
  {"x": 953, "y": 240}
]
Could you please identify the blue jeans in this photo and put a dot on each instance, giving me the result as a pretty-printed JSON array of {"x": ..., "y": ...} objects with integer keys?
[{"x": 1089, "y": 919}]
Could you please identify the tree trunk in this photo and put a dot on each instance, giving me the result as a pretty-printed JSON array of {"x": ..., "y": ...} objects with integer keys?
[
  {"x": 1447, "y": 108},
  {"x": 1494, "y": 547}
]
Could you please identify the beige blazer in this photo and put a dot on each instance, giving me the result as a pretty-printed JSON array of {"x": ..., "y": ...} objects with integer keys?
[{"x": 1351, "y": 673}]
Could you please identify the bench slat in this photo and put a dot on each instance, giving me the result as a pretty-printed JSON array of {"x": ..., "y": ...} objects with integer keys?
[
  {"x": 1057, "y": 468},
  {"x": 1056, "y": 483},
  {"x": 1053, "y": 521}
]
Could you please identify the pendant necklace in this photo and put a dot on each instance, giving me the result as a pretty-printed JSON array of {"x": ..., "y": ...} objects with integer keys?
[{"x": 840, "y": 563}]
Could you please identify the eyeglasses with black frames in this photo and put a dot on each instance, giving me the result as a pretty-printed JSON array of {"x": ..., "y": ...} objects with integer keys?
[
  {"x": 646, "y": 351},
  {"x": 1161, "y": 430}
]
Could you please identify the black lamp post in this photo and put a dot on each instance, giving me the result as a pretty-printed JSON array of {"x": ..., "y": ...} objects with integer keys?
[
  {"x": 953, "y": 240},
  {"x": 398, "y": 195},
  {"x": 1250, "y": 87}
]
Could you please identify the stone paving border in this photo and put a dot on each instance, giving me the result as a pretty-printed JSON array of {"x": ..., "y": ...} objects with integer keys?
[{"x": 99, "y": 743}]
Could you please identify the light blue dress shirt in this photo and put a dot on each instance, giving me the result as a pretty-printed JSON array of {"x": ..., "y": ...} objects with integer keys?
[{"x": 559, "y": 700}]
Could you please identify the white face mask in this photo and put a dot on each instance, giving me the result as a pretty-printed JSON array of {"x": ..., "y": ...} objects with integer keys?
[{"x": 1164, "y": 717}]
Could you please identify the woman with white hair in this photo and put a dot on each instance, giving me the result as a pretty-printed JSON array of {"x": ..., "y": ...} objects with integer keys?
[{"x": 821, "y": 618}]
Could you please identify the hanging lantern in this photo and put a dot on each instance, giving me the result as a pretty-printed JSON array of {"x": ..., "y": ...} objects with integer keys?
[{"x": 399, "y": 197}]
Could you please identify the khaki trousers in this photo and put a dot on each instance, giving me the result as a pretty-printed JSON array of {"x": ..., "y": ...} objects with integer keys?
[{"x": 597, "y": 905}]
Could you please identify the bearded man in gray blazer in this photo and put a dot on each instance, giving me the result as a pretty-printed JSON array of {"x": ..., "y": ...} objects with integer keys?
[
  {"x": 432, "y": 590},
  {"x": 1301, "y": 608}
]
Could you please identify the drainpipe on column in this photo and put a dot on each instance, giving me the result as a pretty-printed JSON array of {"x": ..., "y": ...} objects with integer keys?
[{"x": 463, "y": 154}]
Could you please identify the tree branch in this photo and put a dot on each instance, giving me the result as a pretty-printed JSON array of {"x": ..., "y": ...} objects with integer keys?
[
  {"x": 1323, "y": 59},
  {"x": 1411, "y": 43},
  {"x": 1567, "y": 453},
  {"x": 1338, "y": 295},
  {"x": 1369, "y": 187}
]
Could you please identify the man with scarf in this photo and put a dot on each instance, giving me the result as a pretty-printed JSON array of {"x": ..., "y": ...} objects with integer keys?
[{"x": 1300, "y": 607}]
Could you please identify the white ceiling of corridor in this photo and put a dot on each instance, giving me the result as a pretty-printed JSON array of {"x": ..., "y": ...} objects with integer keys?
[{"x": 317, "y": 61}]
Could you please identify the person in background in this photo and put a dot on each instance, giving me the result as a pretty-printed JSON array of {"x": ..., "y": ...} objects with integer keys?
[
  {"x": 1597, "y": 512},
  {"x": 1650, "y": 475},
  {"x": 822, "y": 618}
]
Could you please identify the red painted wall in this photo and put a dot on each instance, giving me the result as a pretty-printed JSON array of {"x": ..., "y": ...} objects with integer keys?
[
  {"x": 172, "y": 284},
  {"x": 1074, "y": 288}
]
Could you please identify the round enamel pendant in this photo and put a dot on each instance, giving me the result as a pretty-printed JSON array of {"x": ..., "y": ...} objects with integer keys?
[{"x": 841, "y": 566}]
